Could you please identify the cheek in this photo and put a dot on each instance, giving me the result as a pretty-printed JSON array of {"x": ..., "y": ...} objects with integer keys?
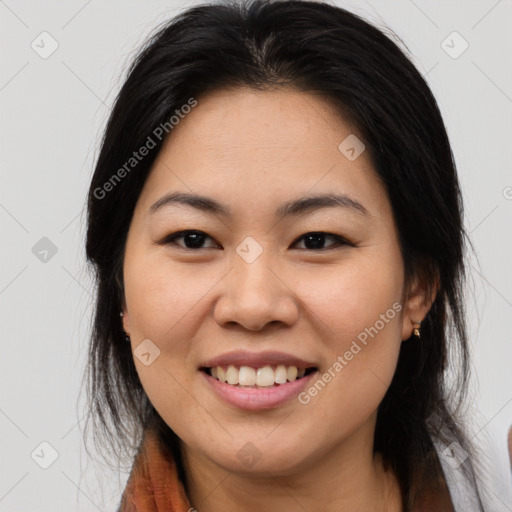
[
  {"x": 162, "y": 298},
  {"x": 357, "y": 316},
  {"x": 164, "y": 304},
  {"x": 347, "y": 301},
  {"x": 170, "y": 393}
]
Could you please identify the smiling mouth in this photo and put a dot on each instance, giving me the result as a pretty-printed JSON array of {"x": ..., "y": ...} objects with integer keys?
[{"x": 263, "y": 377}]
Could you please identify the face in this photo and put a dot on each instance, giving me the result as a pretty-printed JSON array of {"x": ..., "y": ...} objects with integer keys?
[{"x": 314, "y": 289}]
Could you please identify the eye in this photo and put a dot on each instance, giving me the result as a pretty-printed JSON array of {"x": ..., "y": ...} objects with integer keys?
[
  {"x": 194, "y": 239},
  {"x": 315, "y": 240}
]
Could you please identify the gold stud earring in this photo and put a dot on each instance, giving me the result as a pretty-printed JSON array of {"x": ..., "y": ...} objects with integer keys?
[
  {"x": 417, "y": 329},
  {"x": 126, "y": 334}
]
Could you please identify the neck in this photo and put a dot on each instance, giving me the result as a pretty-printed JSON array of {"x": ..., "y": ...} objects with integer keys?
[{"x": 348, "y": 477}]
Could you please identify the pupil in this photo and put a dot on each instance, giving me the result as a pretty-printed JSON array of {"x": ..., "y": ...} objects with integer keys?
[
  {"x": 316, "y": 244},
  {"x": 197, "y": 240}
]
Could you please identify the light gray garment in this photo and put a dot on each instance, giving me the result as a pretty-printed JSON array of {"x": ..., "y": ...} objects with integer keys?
[{"x": 462, "y": 491}]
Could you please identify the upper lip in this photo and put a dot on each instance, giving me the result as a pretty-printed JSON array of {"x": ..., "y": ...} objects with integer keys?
[{"x": 256, "y": 359}]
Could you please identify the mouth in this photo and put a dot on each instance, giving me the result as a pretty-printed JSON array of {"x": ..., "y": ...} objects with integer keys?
[
  {"x": 255, "y": 381},
  {"x": 267, "y": 376}
]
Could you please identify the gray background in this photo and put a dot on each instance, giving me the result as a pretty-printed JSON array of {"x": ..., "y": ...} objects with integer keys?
[{"x": 53, "y": 110}]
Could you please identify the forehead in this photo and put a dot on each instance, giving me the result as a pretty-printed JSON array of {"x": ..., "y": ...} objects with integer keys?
[
  {"x": 269, "y": 121},
  {"x": 253, "y": 146}
]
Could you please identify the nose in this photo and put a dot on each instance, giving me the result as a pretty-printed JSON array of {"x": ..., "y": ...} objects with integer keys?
[{"x": 254, "y": 295}]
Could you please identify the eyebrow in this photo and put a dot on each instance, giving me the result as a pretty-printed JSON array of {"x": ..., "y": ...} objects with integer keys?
[{"x": 291, "y": 208}]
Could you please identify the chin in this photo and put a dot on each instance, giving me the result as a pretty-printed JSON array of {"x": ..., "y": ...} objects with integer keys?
[{"x": 261, "y": 458}]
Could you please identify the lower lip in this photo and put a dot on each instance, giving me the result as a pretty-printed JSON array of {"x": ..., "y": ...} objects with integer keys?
[{"x": 255, "y": 399}]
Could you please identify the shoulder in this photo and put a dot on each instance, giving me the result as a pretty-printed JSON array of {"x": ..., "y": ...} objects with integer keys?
[{"x": 458, "y": 481}]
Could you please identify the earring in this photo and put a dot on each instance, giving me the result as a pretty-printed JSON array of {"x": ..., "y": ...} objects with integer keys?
[
  {"x": 417, "y": 329},
  {"x": 126, "y": 335}
]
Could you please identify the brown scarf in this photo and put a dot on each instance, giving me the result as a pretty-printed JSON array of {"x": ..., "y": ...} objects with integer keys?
[{"x": 154, "y": 486}]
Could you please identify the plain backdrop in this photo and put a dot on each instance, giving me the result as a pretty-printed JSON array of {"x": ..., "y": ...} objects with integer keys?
[{"x": 53, "y": 110}]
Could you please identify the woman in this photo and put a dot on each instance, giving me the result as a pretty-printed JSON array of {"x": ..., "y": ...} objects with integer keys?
[{"x": 275, "y": 222}]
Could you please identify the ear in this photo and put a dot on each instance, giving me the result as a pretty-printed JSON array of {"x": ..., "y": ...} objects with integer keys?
[
  {"x": 126, "y": 320},
  {"x": 417, "y": 303}
]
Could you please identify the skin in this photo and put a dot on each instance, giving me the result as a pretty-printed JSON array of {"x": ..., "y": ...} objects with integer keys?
[{"x": 253, "y": 151}]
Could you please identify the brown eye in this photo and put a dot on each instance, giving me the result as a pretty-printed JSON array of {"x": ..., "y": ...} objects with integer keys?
[
  {"x": 192, "y": 239},
  {"x": 315, "y": 240}
]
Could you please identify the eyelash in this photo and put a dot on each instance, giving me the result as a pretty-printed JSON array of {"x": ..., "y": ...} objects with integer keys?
[{"x": 340, "y": 241}]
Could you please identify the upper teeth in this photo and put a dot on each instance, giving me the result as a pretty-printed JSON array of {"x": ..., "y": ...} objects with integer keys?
[{"x": 265, "y": 376}]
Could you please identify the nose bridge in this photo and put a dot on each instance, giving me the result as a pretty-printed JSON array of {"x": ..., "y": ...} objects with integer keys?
[
  {"x": 253, "y": 280},
  {"x": 255, "y": 295}
]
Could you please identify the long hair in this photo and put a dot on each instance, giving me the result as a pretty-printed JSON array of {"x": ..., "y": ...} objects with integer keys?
[{"x": 371, "y": 83}]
